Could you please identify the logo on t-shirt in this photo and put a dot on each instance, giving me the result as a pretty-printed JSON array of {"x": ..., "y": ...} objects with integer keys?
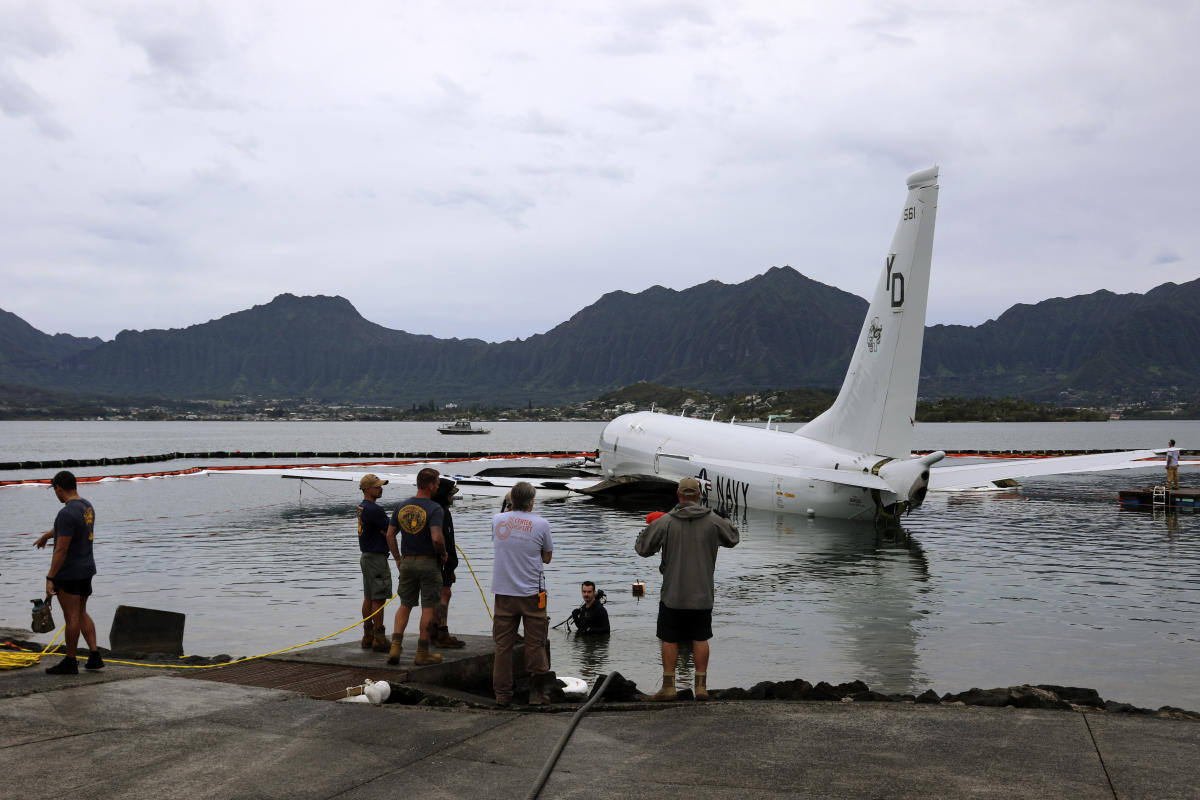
[
  {"x": 89, "y": 519},
  {"x": 411, "y": 518},
  {"x": 505, "y": 527}
]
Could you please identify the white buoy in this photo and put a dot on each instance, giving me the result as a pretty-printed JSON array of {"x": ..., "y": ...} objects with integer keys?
[
  {"x": 812, "y": 512},
  {"x": 575, "y": 688},
  {"x": 378, "y": 691}
]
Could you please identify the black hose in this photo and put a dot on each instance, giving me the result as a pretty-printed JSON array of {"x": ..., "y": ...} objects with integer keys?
[{"x": 544, "y": 775}]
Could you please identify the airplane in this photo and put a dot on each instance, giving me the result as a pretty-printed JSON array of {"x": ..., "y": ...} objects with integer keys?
[{"x": 853, "y": 461}]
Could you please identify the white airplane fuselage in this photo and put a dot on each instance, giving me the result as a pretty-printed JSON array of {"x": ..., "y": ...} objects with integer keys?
[{"x": 742, "y": 467}]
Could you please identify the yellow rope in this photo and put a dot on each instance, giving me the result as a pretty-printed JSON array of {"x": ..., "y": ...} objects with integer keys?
[
  {"x": 27, "y": 659},
  {"x": 237, "y": 660},
  {"x": 476, "y": 577}
]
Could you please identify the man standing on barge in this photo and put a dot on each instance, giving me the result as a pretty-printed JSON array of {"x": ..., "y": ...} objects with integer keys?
[{"x": 1172, "y": 466}]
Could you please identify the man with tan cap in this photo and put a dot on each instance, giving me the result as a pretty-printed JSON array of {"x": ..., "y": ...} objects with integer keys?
[
  {"x": 376, "y": 571},
  {"x": 688, "y": 536}
]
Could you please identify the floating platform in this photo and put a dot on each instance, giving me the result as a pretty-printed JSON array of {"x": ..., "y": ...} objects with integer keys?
[{"x": 1152, "y": 497}]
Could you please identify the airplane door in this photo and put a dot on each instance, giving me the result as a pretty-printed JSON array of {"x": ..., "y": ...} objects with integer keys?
[{"x": 657, "y": 454}]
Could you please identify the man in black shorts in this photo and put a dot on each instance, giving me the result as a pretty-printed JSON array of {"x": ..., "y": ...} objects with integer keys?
[
  {"x": 689, "y": 536},
  {"x": 71, "y": 571}
]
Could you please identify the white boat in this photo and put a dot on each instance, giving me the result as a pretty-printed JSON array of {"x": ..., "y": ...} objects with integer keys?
[{"x": 461, "y": 427}]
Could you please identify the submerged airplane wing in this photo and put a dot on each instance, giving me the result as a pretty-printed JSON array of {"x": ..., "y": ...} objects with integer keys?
[
  {"x": 485, "y": 486},
  {"x": 977, "y": 476}
]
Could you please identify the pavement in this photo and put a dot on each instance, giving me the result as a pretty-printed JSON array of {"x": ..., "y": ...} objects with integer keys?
[{"x": 131, "y": 732}]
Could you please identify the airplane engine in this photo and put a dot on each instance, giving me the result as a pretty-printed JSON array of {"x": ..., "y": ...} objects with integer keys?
[{"x": 909, "y": 479}]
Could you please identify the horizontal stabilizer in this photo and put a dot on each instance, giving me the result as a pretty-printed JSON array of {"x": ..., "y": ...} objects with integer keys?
[{"x": 975, "y": 476}]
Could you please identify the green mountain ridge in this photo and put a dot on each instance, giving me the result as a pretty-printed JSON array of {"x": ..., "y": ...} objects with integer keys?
[{"x": 776, "y": 329}]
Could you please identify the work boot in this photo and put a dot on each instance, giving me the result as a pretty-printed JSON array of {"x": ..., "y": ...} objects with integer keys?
[
  {"x": 701, "y": 687},
  {"x": 368, "y": 635},
  {"x": 667, "y": 692},
  {"x": 396, "y": 648},
  {"x": 424, "y": 658},
  {"x": 68, "y": 666},
  {"x": 379, "y": 641},
  {"x": 444, "y": 639},
  {"x": 537, "y": 691},
  {"x": 94, "y": 661}
]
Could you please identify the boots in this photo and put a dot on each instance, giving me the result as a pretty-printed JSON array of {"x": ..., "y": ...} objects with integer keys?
[
  {"x": 445, "y": 640},
  {"x": 368, "y": 635},
  {"x": 667, "y": 692},
  {"x": 379, "y": 641},
  {"x": 701, "y": 686},
  {"x": 537, "y": 691},
  {"x": 94, "y": 661},
  {"x": 396, "y": 648},
  {"x": 425, "y": 658},
  {"x": 68, "y": 666}
]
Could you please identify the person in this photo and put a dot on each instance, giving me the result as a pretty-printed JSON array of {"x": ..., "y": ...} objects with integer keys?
[
  {"x": 373, "y": 560},
  {"x": 688, "y": 537},
  {"x": 439, "y": 635},
  {"x": 419, "y": 553},
  {"x": 521, "y": 544},
  {"x": 72, "y": 568},
  {"x": 591, "y": 618},
  {"x": 1172, "y": 466}
]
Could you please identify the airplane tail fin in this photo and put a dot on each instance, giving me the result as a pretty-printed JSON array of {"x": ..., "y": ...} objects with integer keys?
[{"x": 875, "y": 410}]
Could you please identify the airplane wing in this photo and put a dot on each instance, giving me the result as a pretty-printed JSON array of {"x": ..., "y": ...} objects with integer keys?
[
  {"x": 844, "y": 476},
  {"x": 488, "y": 486},
  {"x": 977, "y": 476}
]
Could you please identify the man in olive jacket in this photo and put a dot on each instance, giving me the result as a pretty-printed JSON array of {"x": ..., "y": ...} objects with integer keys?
[{"x": 688, "y": 537}]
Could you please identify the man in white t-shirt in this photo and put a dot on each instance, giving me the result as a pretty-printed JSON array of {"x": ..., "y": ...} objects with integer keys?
[
  {"x": 521, "y": 543},
  {"x": 1172, "y": 466}
]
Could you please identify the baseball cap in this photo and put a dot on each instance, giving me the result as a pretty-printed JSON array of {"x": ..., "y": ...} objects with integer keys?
[
  {"x": 370, "y": 481},
  {"x": 689, "y": 487}
]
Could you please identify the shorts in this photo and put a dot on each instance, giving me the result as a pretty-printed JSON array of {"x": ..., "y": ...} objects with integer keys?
[
  {"x": 677, "y": 625},
  {"x": 377, "y": 576},
  {"x": 76, "y": 586},
  {"x": 448, "y": 578},
  {"x": 420, "y": 576}
]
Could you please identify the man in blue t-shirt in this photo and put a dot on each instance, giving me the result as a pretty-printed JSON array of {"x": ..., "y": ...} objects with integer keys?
[
  {"x": 420, "y": 553},
  {"x": 376, "y": 571},
  {"x": 71, "y": 569}
]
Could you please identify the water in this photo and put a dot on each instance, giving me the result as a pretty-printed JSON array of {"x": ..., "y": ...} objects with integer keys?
[{"x": 1051, "y": 584}]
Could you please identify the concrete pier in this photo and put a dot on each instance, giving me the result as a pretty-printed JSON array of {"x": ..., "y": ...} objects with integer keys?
[{"x": 130, "y": 732}]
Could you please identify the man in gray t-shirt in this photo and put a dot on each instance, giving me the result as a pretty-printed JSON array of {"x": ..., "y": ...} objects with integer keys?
[{"x": 521, "y": 545}]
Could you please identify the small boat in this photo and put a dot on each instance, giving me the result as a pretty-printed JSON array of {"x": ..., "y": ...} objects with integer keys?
[{"x": 461, "y": 427}]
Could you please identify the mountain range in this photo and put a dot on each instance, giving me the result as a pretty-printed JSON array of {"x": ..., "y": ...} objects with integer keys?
[{"x": 778, "y": 329}]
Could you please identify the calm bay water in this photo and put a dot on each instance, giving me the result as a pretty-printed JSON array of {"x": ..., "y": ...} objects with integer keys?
[{"x": 1049, "y": 584}]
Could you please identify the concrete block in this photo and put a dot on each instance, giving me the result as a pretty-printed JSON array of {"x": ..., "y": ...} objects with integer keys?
[{"x": 146, "y": 630}]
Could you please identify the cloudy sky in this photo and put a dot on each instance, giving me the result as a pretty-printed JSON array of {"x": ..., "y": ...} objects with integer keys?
[{"x": 484, "y": 169}]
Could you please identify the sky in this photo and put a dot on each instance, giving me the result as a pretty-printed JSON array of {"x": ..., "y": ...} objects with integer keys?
[{"x": 487, "y": 169}]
